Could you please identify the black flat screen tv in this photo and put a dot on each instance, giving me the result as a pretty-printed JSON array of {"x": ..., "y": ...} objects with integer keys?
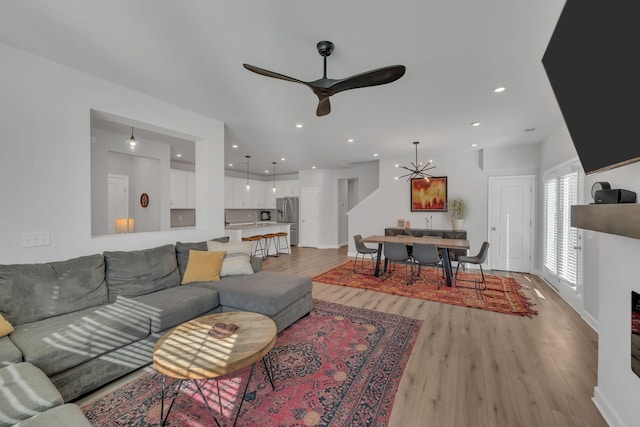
[{"x": 592, "y": 65}]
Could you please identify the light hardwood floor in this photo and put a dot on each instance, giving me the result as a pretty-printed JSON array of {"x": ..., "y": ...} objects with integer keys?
[
  {"x": 471, "y": 367},
  {"x": 477, "y": 368}
]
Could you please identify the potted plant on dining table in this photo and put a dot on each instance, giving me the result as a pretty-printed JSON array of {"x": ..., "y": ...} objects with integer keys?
[{"x": 458, "y": 213}]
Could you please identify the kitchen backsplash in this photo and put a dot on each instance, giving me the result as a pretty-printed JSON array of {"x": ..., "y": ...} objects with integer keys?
[
  {"x": 183, "y": 217},
  {"x": 234, "y": 216}
]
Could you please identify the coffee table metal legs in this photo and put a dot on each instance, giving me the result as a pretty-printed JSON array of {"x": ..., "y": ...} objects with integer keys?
[{"x": 164, "y": 417}]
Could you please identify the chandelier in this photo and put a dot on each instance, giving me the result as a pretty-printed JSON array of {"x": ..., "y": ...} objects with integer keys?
[{"x": 417, "y": 170}]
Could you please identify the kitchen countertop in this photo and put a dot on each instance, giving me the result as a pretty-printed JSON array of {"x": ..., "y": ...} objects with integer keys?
[{"x": 251, "y": 225}]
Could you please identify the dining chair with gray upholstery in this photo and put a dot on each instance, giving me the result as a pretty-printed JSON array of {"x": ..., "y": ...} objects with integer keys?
[
  {"x": 426, "y": 254},
  {"x": 477, "y": 259},
  {"x": 362, "y": 250},
  {"x": 394, "y": 252}
]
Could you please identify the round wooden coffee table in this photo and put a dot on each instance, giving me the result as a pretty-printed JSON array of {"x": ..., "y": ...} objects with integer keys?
[{"x": 189, "y": 353}]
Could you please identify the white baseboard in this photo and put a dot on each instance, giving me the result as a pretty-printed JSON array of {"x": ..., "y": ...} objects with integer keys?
[
  {"x": 591, "y": 321},
  {"x": 606, "y": 410}
]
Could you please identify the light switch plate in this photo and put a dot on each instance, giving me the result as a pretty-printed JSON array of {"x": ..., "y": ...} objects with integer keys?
[{"x": 36, "y": 238}]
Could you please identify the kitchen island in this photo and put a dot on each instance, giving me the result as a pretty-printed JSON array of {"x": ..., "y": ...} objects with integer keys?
[{"x": 237, "y": 231}]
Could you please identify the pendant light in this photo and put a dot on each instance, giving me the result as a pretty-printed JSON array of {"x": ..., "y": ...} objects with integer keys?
[
  {"x": 417, "y": 169},
  {"x": 248, "y": 185},
  {"x": 274, "y": 177},
  {"x": 132, "y": 144}
]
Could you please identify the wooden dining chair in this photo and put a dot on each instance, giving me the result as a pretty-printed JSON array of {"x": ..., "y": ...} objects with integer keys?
[{"x": 394, "y": 252}]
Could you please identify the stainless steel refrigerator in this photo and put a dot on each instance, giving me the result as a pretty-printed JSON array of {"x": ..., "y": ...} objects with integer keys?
[{"x": 288, "y": 211}]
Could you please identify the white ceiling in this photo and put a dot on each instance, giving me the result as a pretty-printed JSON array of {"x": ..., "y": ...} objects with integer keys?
[{"x": 190, "y": 53}]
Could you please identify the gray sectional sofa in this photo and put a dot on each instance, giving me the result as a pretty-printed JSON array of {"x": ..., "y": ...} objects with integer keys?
[{"x": 90, "y": 320}]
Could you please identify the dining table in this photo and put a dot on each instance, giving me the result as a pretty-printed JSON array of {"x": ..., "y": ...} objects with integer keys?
[{"x": 441, "y": 243}]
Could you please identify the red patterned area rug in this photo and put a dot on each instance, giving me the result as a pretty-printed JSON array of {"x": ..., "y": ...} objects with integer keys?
[
  {"x": 338, "y": 366},
  {"x": 502, "y": 295}
]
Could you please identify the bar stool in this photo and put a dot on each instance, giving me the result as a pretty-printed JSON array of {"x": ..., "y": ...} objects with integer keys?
[
  {"x": 281, "y": 248},
  {"x": 257, "y": 238},
  {"x": 272, "y": 237}
]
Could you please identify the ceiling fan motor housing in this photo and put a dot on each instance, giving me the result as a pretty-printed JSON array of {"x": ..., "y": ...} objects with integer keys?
[{"x": 325, "y": 48}]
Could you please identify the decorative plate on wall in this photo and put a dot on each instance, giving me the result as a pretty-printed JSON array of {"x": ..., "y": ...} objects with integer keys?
[{"x": 144, "y": 200}]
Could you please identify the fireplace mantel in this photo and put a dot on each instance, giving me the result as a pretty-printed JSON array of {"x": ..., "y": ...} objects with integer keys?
[{"x": 622, "y": 219}]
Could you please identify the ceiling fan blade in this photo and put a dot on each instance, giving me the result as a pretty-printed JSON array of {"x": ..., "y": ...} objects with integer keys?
[
  {"x": 375, "y": 77},
  {"x": 268, "y": 73},
  {"x": 324, "y": 106}
]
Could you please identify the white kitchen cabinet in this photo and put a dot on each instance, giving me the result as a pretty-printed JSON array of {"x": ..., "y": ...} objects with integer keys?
[
  {"x": 228, "y": 193},
  {"x": 269, "y": 196},
  {"x": 257, "y": 194},
  {"x": 288, "y": 188},
  {"x": 237, "y": 197},
  {"x": 191, "y": 190},
  {"x": 241, "y": 197},
  {"x": 182, "y": 186}
]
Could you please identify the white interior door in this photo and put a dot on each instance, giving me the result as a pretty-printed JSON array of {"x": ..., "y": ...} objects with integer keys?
[
  {"x": 117, "y": 200},
  {"x": 510, "y": 222},
  {"x": 309, "y": 217}
]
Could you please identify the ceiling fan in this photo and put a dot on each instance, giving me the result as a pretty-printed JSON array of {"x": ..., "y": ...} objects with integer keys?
[{"x": 324, "y": 87}]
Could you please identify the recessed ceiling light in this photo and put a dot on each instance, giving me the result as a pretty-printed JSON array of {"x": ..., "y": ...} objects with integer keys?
[
  {"x": 230, "y": 165},
  {"x": 350, "y": 140},
  {"x": 474, "y": 145},
  {"x": 234, "y": 146},
  {"x": 266, "y": 171},
  {"x": 375, "y": 155},
  {"x": 397, "y": 165},
  {"x": 313, "y": 167},
  {"x": 282, "y": 159},
  {"x": 475, "y": 123},
  {"x": 178, "y": 155},
  {"x": 298, "y": 125},
  {"x": 499, "y": 89}
]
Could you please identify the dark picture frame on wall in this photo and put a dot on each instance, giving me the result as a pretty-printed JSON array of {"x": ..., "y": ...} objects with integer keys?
[{"x": 429, "y": 195}]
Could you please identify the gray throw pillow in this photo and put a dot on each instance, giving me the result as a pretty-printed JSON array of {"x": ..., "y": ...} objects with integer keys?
[{"x": 182, "y": 252}]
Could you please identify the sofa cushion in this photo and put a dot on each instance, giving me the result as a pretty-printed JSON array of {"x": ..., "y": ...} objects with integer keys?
[
  {"x": 65, "y": 415},
  {"x": 9, "y": 352},
  {"x": 133, "y": 273},
  {"x": 237, "y": 260},
  {"x": 266, "y": 292},
  {"x": 31, "y": 292},
  {"x": 203, "y": 266},
  {"x": 170, "y": 307},
  {"x": 182, "y": 251},
  {"x": 65, "y": 341},
  {"x": 26, "y": 392}
]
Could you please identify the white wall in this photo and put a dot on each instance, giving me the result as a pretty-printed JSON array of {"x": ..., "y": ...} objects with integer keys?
[
  {"x": 610, "y": 274},
  {"x": 467, "y": 173},
  {"x": 327, "y": 181},
  {"x": 148, "y": 171},
  {"x": 45, "y": 178},
  {"x": 616, "y": 273}
]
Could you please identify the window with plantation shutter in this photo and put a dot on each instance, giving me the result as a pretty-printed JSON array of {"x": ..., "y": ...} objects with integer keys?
[{"x": 561, "y": 256}]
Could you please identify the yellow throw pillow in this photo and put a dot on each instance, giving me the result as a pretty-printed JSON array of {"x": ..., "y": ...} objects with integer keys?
[
  {"x": 203, "y": 266},
  {"x": 5, "y": 327}
]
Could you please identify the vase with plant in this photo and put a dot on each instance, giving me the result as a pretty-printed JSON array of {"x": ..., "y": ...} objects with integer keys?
[{"x": 458, "y": 213}]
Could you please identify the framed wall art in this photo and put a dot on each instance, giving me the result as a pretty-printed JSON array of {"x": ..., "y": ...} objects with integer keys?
[{"x": 429, "y": 195}]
